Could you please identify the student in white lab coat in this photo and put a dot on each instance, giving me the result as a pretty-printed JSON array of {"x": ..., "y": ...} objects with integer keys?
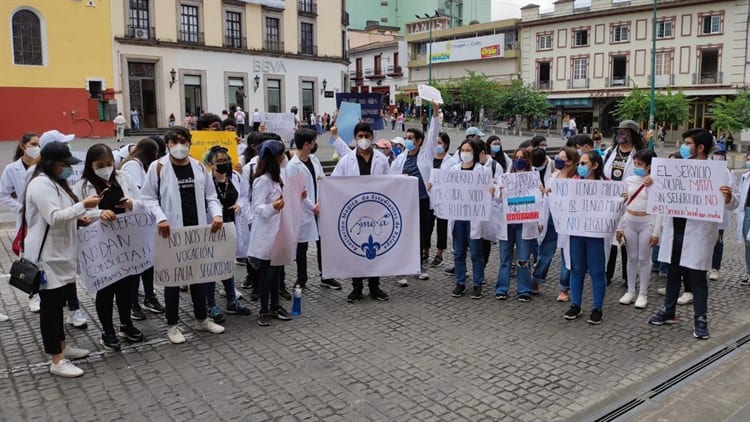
[
  {"x": 168, "y": 181},
  {"x": 683, "y": 242},
  {"x": 13, "y": 180},
  {"x": 250, "y": 160},
  {"x": 308, "y": 165},
  {"x": 364, "y": 161},
  {"x": 743, "y": 218},
  {"x": 441, "y": 157}
]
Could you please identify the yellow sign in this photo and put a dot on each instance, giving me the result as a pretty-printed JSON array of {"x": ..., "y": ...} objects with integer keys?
[{"x": 203, "y": 140}]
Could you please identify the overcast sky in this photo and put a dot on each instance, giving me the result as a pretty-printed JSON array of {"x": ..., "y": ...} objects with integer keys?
[{"x": 503, "y": 9}]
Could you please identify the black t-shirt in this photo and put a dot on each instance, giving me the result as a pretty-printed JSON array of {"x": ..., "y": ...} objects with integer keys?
[
  {"x": 747, "y": 201},
  {"x": 541, "y": 175},
  {"x": 111, "y": 199},
  {"x": 227, "y": 194},
  {"x": 678, "y": 223},
  {"x": 311, "y": 169},
  {"x": 437, "y": 162},
  {"x": 618, "y": 164},
  {"x": 186, "y": 182},
  {"x": 365, "y": 167}
]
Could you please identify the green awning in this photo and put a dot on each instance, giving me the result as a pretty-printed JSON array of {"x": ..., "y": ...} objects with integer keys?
[{"x": 571, "y": 102}]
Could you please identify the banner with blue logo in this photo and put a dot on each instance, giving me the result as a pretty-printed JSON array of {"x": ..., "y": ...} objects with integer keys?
[
  {"x": 371, "y": 107},
  {"x": 369, "y": 226}
]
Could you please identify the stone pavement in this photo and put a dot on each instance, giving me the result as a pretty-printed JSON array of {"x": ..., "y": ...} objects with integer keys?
[{"x": 423, "y": 355}]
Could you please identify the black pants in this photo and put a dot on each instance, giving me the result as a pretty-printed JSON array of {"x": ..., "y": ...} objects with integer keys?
[
  {"x": 372, "y": 282},
  {"x": 51, "y": 318},
  {"x": 71, "y": 297},
  {"x": 425, "y": 228},
  {"x": 256, "y": 126},
  {"x": 612, "y": 262},
  {"x": 268, "y": 285},
  {"x": 122, "y": 291},
  {"x": 172, "y": 302},
  {"x": 442, "y": 230},
  {"x": 241, "y": 130},
  {"x": 301, "y": 259},
  {"x": 147, "y": 277}
]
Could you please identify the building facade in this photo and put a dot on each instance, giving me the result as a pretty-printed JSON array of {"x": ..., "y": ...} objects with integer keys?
[
  {"x": 587, "y": 58},
  {"x": 53, "y": 73},
  {"x": 379, "y": 67},
  {"x": 190, "y": 56}
]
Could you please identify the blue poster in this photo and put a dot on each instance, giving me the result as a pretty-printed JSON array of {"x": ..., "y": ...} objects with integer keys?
[
  {"x": 371, "y": 107},
  {"x": 349, "y": 116}
]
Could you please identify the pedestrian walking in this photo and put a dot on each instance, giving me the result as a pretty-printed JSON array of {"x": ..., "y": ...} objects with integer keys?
[{"x": 119, "y": 122}]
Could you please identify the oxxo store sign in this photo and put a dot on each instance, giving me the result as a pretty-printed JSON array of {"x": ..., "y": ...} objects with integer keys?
[{"x": 478, "y": 48}]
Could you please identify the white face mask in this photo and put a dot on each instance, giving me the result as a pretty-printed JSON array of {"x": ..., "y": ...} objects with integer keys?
[
  {"x": 364, "y": 143},
  {"x": 33, "y": 152},
  {"x": 179, "y": 151},
  {"x": 467, "y": 157},
  {"x": 104, "y": 173}
]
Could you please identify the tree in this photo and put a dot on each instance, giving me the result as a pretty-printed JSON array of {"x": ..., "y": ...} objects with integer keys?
[
  {"x": 671, "y": 109},
  {"x": 634, "y": 107},
  {"x": 731, "y": 115},
  {"x": 476, "y": 91},
  {"x": 523, "y": 100}
]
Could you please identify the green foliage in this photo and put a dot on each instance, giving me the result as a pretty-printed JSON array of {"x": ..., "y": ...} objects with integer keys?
[
  {"x": 731, "y": 115},
  {"x": 634, "y": 107},
  {"x": 669, "y": 109},
  {"x": 520, "y": 99}
]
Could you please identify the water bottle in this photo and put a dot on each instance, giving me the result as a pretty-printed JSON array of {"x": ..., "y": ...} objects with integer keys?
[{"x": 297, "y": 301}]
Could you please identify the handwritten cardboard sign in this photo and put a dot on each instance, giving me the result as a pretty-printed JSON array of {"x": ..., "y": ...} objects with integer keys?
[
  {"x": 194, "y": 255},
  {"x": 203, "y": 140},
  {"x": 461, "y": 195},
  {"x": 522, "y": 198},
  {"x": 281, "y": 124},
  {"x": 430, "y": 93},
  {"x": 588, "y": 208},
  {"x": 109, "y": 251},
  {"x": 687, "y": 189}
]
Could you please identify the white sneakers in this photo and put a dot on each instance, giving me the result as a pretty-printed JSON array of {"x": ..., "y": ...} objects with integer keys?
[
  {"x": 4, "y": 317},
  {"x": 661, "y": 291},
  {"x": 685, "y": 299},
  {"x": 65, "y": 369},
  {"x": 402, "y": 282},
  {"x": 627, "y": 298},
  {"x": 34, "y": 303},
  {"x": 641, "y": 302},
  {"x": 423, "y": 274},
  {"x": 77, "y": 319},
  {"x": 175, "y": 335},
  {"x": 713, "y": 275},
  {"x": 209, "y": 326},
  {"x": 74, "y": 353}
]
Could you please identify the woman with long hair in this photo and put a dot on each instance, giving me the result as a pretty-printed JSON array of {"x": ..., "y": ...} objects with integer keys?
[{"x": 13, "y": 180}]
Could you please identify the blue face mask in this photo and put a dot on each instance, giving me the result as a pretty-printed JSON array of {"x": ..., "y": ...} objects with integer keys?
[
  {"x": 519, "y": 164},
  {"x": 583, "y": 171},
  {"x": 409, "y": 145},
  {"x": 396, "y": 150},
  {"x": 65, "y": 173},
  {"x": 559, "y": 163},
  {"x": 439, "y": 149},
  {"x": 496, "y": 148},
  {"x": 639, "y": 171},
  {"x": 685, "y": 151}
]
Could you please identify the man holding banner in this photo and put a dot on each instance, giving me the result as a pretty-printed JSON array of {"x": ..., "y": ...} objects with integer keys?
[{"x": 180, "y": 193}]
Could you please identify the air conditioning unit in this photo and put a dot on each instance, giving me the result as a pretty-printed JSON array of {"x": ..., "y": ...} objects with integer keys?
[{"x": 141, "y": 33}]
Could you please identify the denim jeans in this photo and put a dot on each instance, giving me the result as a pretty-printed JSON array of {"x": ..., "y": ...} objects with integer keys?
[
  {"x": 663, "y": 266},
  {"x": 546, "y": 253},
  {"x": 587, "y": 254},
  {"x": 564, "y": 274},
  {"x": 461, "y": 241},
  {"x": 210, "y": 292},
  {"x": 696, "y": 278},
  {"x": 745, "y": 229},
  {"x": 718, "y": 251},
  {"x": 523, "y": 275}
]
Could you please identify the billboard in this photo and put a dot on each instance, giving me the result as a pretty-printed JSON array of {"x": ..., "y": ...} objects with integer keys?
[{"x": 477, "y": 48}]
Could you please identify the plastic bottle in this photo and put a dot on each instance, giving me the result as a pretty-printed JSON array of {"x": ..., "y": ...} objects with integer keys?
[{"x": 297, "y": 301}]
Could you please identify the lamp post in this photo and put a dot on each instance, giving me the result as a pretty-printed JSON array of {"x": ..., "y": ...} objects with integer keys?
[
  {"x": 429, "y": 53},
  {"x": 652, "y": 105}
]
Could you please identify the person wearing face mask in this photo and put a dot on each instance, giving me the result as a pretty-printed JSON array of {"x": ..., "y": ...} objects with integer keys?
[
  {"x": 635, "y": 228},
  {"x": 13, "y": 179},
  {"x": 181, "y": 193},
  {"x": 52, "y": 212},
  {"x": 743, "y": 218},
  {"x": 441, "y": 160},
  {"x": 495, "y": 149},
  {"x": 683, "y": 242},
  {"x": 719, "y": 154},
  {"x": 117, "y": 196},
  {"x": 363, "y": 161},
  {"x": 308, "y": 165},
  {"x": 547, "y": 238}
]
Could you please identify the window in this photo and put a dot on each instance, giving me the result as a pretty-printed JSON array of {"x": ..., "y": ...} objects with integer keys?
[
  {"x": 709, "y": 66},
  {"x": 189, "y": 23},
  {"x": 620, "y": 33},
  {"x": 664, "y": 29},
  {"x": 95, "y": 88},
  {"x": 273, "y": 40},
  {"x": 377, "y": 62},
  {"x": 663, "y": 63},
  {"x": 27, "y": 38},
  {"x": 306, "y": 40},
  {"x": 544, "y": 42},
  {"x": 236, "y": 92},
  {"x": 544, "y": 76},
  {"x": 193, "y": 94},
  {"x": 580, "y": 68},
  {"x": 711, "y": 24},
  {"x": 273, "y": 92},
  {"x": 234, "y": 30},
  {"x": 139, "y": 14},
  {"x": 384, "y": 20},
  {"x": 308, "y": 98},
  {"x": 580, "y": 38},
  {"x": 619, "y": 70}
]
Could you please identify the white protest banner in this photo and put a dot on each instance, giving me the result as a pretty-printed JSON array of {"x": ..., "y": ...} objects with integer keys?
[
  {"x": 369, "y": 226},
  {"x": 281, "y": 124},
  {"x": 284, "y": 247},
  {"x": 588, "y": 208},
  {"x": 108, "y": 251},
  {"x": 462, "y": 195},
  {"x": 194, "y": 255},
  {"x": 522, "y": 197},
  {"x": 430, "y": 93},
  {"x": 687, "y": 188}
]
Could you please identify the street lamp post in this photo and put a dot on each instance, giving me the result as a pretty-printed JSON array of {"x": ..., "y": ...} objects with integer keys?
[
  {"x": 652, "y": 105},
  {"x": 429, "y": 53}
]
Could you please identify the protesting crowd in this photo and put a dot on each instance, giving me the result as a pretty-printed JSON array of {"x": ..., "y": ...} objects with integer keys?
[{"x": 536, "y": 205}]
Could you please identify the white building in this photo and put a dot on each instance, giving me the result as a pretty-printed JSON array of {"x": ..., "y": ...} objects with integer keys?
[{"x": 379, "y": 67}]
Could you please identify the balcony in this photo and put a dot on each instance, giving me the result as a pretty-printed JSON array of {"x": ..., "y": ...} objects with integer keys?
[
  {"x": 235, "y": 42},
  {"x": 141, "y": 33},
  {"x": 358, "y": 76},
  {"x": 661, "y": 80},
  {"x": 395, "y": 71},
  {"x": 707, "y": 78},
  {"x": 308, "y": 49},
  {"x": 544, "y": 85},
  {"x": 191, "y": 37},
  {"x": 377, "y": 74},
  {"x": 578, "y": 83},
  {"x": 307, "y": 7},
  {"x": 617, "y": 81},
  {"x": 273, "y": 45}
]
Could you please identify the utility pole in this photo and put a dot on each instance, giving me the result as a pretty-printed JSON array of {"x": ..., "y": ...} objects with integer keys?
[
  {"x": 429, "y": 53},
  {"x": 652, "y": 105}
]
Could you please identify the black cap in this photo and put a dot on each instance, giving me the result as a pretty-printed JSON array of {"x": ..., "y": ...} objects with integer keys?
[{"x": 58, "y": 151}]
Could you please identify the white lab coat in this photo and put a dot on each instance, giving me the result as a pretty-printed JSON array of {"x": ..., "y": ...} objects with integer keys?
[
  {"x": 246, "y": 188},
  {"x": 424, "y": 157},
  {"x": 544, "y": 214},
  {"x": 13, "y": 181},
  {"x": 700, "y": 236},
  {"x": 241, "y": 227},
  {"x": 162, "y": 194},
  {"x": 122, "y": 153},
  {"x": 741, "y": 190},
  {"x": 47, "y": 204},
  {"x": 266, "y": 219},
  {"x": 83, "y": 188},
  {"x": 348, "y": 165},
  {"x": 627, "y": 172},
  {"x": 135, "y": 172},
  {"x": 340, "y": 146},
  {"x": 309, "y": 227}
]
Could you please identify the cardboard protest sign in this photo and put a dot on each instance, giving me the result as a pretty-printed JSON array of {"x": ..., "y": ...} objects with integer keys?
[
  {"x": 588, "y": 208},
  {"x": 284, "y": 248},
  {"x": 193, "y": 254},
  {"x": 109, "y": 251},
  {"x": 281, "y": 124},
  {"x": 349, "y": 115},
  {"x": 462, "y": 195},
  {"x": 203, "y": 140},
  {"x": 430, "y": 93},
  {"x": 687, "y": 188},
  {"x": 522, "y": 198}
]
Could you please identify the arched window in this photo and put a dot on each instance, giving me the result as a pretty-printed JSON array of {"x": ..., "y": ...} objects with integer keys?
[{"x": 27, "y": 38}]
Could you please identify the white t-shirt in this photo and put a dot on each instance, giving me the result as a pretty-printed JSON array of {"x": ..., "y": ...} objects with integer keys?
[
  {"x": 572, "y": 124},
  {"x": 239, "y": 117}
]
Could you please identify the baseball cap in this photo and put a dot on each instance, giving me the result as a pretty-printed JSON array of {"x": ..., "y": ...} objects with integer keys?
[
  {"x": 398, "y": 140},
  {"x": 58, "y": 151},
  {"x": 629, "y": 124},
  {"x": 54, "y": 136},
  {"x": 472, "y": 131},
  {"x": 272, "y": 145}
]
